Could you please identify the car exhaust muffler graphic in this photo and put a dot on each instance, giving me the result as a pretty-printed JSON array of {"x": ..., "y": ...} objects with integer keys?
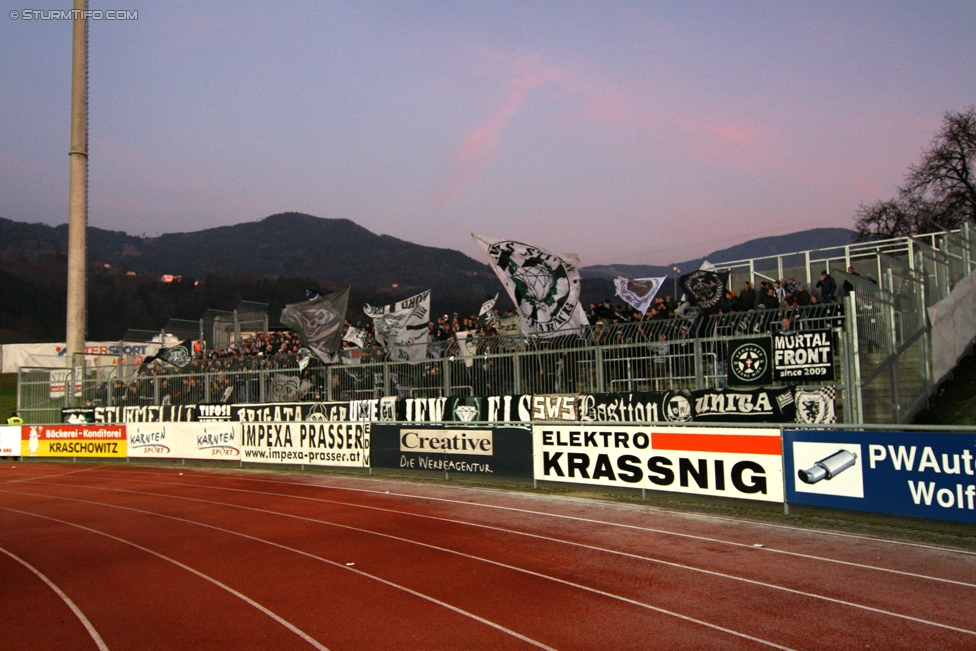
[{"x": 828, "y": 467}]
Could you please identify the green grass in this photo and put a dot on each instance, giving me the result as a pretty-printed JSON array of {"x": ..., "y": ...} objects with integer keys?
[
  {"x": 954, "y": 403},
  {"x": 8, "y": 395}
]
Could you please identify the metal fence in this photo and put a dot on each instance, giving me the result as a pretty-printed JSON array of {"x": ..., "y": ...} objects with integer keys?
[{"x": 882, "y": 366}]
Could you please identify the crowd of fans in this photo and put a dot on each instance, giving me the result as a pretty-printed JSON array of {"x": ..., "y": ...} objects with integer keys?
[{"x": 210, "y": 374}]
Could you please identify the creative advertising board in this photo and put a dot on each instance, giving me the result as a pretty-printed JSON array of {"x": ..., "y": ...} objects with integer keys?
[
  {"x": 73, "y": 441},
  {"x": 209, "y": 441},
  {"x": 727, "y": 462},
  {"x": 310, "y": 443},
  {"x": 918, "y": 474},
  {"x": 463, "y": 449}
]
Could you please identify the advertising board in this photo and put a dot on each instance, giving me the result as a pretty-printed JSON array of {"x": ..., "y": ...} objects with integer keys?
[
  {"x": 484, "y": 450},
  {"x": 918, "y": 474},
  {"x": 209, "y": 441},
  {"x": 726, "y": 462},
  {"x": 311, "y": 443},
  {"x": 73, "y": 441}
]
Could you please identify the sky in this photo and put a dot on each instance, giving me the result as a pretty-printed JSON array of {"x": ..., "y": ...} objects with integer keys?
[{"x": 628, "y": 132}]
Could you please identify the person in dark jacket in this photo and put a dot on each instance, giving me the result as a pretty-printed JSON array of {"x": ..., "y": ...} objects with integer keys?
[
  {"x": 747, "y": 297},
  {"x": 769, "y": 301},
  {"x": 827, "y": 286}
]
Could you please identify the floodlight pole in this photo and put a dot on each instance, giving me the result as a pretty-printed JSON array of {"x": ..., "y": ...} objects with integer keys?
[{"x": 78, "y": 186}]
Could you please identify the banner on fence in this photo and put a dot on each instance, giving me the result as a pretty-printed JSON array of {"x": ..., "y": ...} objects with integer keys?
[
  {"x": 803, "y": 357},
  {"x": 918, "y": 474},
  {"x": 727, "y": 462},
  {"x": 313, "y": 443},
  {"x": 210, "y": 441},
  {"x": 505, "y": 451},
  {"x": 73, "y": 441},
  {"x": 97, "y": 353},
  {"x": 764, "y": 405},
  {"x": 749, "y": 362},
  {"x": 10, "y": 441}
]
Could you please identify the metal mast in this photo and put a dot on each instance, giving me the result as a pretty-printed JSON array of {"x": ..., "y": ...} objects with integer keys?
[{"x": 78, "y": 186}]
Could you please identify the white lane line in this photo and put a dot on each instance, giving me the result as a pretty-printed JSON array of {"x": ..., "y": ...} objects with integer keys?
[
  {"x": 565, "y": 498},
  {"x": 36, "y": 477},
  {"x": 732, "y": 577},
  {"x": 99, "y": 642},
  {"x": 273, "y": 544},
  {"x": 640, "y": 604},
  {"x": 291, "y": 627},
  {"x": 664, "y": 532}
]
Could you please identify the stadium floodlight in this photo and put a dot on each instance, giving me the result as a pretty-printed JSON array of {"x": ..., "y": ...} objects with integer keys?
[{"x": 77, "y": 309}]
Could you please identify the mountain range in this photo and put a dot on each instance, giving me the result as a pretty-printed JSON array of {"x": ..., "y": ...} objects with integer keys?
[{"x": 339, "y": 252}]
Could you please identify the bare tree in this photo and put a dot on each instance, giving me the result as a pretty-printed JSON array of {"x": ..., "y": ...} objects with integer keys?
[{"x": 939, "y": 192}]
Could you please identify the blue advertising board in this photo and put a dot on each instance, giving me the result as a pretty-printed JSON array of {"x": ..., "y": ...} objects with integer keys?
[{"x": 918, "y": 474}]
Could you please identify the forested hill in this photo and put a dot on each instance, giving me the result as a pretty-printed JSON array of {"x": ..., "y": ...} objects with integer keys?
[{"x": 336, "y": 251}]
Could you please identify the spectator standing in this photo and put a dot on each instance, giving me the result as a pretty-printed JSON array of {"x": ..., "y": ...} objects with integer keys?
[
  {"x": 827, "y": 286},
  {"x": 747, "y": 297}
]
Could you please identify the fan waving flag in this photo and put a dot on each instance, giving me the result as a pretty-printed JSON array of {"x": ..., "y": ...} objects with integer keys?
[
  {"x": 319, "y": 323},
  {"x": 545, "y": 287},
  {"x": 402, "y": 327},
  {"x": 638, "y": 292}
]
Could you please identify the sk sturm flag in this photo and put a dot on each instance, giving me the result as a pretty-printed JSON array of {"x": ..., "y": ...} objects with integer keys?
[
  {"x": 402, "y": 327},
  {"x": 638, "y": 292},
  {"x": 545, "y": 287},
  {"x": 706, "y": 289},
  {"x": 319, "y": 323},
  {"x": 485, "y": 314},
  {"x": 179, "y": 355}
]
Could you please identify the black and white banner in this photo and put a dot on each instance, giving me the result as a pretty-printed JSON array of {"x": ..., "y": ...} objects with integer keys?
[
  {"x": 803, "y": 357},
  {"x": 545, "y": 287},
  {"x": 765, "y": 405},
  {"x": 743, "y": 463},
  {"x": 638, "y": 292},
  {"x": 319, "y": 323},
  {"x": 749, "y": 362},
  {"x": 402, "y": 326}
]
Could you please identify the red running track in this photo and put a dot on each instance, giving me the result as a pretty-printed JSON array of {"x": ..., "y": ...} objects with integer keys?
[{"x": 152, "y": 557}]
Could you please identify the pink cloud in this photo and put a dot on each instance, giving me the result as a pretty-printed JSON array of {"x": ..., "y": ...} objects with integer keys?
[{"x": 478, "y": 146}]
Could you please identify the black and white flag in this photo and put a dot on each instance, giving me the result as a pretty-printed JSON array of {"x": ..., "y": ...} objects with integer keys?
[
  {"x": 705, "y": 288},
  {"x": 319, "y": 323},
  {"x": 638, "y": 292},
  {"x": 545, "y": 287},
  {"x": 179, "y": 355},
  {"x": 485, "y": 314},
  {"x": 402, "y": 327},
  {"x": 356, "y": 336}
]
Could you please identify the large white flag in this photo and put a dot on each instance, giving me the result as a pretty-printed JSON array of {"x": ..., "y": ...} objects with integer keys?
[
  {"x": 402, "y": 327},
  {"x": 638, "y": 292},
  {"x": 545, "y": 287}
]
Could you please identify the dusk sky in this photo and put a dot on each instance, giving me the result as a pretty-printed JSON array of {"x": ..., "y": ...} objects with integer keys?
[{"x": 637, "y": 132}]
